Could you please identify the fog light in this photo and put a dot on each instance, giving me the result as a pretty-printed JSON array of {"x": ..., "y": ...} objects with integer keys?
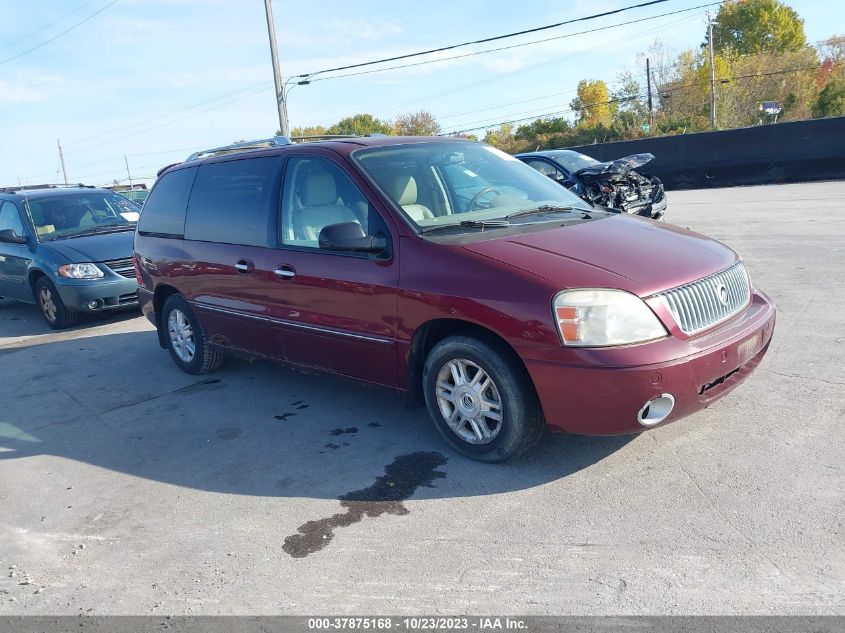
[
  {"x": 656, "y": 410},
  {"x": 91, "y": 305}
]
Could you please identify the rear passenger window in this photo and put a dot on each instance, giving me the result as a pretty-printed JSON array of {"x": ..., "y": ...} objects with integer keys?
[
  {"x": 164, "y": 210},
  {"x": 233, "y": 202}
]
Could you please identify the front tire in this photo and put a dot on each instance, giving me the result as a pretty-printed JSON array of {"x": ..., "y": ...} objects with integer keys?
[
  {"x": 481, "y": 400},
  {"x": 186, "y": 340},
  {"x": 55, "y": 313}
]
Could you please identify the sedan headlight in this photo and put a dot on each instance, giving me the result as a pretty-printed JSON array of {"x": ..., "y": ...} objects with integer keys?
[
  {"x": 599, "y": 318},
  {"x": 80, "y": 271}
]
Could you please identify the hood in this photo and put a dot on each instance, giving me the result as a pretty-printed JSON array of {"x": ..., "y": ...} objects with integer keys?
[
  {"x": 619, "y": 166},
  {"x": 622, "y": 251},
  {"x": 95, "y": 248}
]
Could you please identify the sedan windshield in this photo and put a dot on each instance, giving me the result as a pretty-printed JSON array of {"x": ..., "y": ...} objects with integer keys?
[
  {"x": 67, "y": 215},
  {"x": 573, "y": 161},
  {"x": 462, "y": 184}
]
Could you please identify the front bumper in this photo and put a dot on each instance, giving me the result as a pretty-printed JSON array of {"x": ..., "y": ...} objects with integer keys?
[
  {"x": 601, "y": 391},
  {"x": 109, "y": 294}
]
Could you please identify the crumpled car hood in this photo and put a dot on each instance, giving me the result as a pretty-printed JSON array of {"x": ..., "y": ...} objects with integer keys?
[
  {"x": 618, "y": 166},
  {"x": 623, "y": 251}
]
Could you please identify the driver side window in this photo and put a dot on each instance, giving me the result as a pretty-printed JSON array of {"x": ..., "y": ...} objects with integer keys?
[
  {"x": 317, "y": 194},
  {"x": 546, "y": 169},
  {"x": 10, "y": 218}
]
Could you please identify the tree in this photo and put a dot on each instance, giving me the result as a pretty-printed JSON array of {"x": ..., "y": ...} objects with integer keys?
[
  {"x": 361, "y": 125},
  {"x": 308, "y": 130},
  {"x": 831, "y": 100},
  {"x": 592, "y": 103},
  {"x": 420, "y": 123},
  {"x": 755, "y": 26}
]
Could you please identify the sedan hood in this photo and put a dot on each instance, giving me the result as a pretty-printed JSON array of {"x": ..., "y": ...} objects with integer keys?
[
  {"x": 621, "y": 251},
  {"x": 95, "y": 248},
  {"x": 619, "y": 166}
]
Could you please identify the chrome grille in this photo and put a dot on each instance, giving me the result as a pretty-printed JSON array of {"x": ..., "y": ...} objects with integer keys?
[
  {"x": 123, "y": 267},
  {"x": 706, "y": 302}
]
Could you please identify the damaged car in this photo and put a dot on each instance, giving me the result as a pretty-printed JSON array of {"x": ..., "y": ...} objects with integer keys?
[{"x": 613, "y": 184}]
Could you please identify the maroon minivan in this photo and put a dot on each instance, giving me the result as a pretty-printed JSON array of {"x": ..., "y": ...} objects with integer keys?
[{"x": 450, "y": 271}]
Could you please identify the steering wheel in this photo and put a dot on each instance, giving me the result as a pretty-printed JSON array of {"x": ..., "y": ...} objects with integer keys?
[{"x": 478, "y": 196}]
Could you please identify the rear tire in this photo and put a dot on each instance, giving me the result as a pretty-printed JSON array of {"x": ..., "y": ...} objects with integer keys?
[
  {"x": 55, "y": 313},
  {"x": 186, "y": 340},
  {"x": 480, "y": 400}
]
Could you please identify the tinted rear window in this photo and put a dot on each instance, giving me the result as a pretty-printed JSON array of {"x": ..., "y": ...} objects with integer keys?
[
  {"x": 164, "y": 210},
  {"x": 233, "y": 202}
]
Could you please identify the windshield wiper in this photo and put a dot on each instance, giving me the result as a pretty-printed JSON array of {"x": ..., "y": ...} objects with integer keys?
[
  {"x": 541, "y": 210},
  {"x": 111, "y": 228},
  {"x": 472, "y": 224}
]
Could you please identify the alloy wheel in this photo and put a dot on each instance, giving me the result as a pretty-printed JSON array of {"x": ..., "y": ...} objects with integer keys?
[
  {"x": 181, "y": 335},
  {"x": 469, "y": 401},
  {"x": 48, "y": 304}
]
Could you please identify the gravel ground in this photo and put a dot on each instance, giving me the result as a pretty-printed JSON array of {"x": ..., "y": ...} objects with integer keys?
[{"x": 127, "y": 487}]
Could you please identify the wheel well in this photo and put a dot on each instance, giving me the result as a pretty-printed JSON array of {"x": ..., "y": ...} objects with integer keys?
[
  {"x": 162, "y": 293},
  {"x": 431, "y": 333},
  {"x": 33, "y": 277}
]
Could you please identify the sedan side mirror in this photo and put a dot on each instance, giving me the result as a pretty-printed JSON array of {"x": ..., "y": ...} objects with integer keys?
[
  {"x": 11, "y": 237},
  {"x": 350, "y": 237}
]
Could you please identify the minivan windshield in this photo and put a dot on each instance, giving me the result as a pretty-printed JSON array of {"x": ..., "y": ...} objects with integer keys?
[
  {"x": 77, "y": 214},
  {"x": 463, "y": 184}
]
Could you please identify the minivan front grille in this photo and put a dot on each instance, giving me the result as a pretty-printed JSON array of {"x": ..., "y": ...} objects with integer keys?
[
  {"x": 123, "y": 267},
  {"x": 708, "y": 301}
]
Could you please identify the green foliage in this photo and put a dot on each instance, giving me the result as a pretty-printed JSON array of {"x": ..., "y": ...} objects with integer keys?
[
  {"x": 754, "y": 26},
  {"x": 361, "y": 125},
  {"x": 553, "y": 125},
  {"x": 831, "y": 100},
  {"x": 420, "y": 123},
  {"x": 309, "y": 130}
]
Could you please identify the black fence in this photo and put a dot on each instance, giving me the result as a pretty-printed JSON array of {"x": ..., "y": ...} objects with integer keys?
[{"x": 798, "y": 151}]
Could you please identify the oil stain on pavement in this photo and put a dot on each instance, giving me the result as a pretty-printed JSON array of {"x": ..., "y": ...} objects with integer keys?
[{"x": 401, "y": 479}]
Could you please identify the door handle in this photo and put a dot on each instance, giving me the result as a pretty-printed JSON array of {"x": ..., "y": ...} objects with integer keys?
[
  {"x": 284, "y": 272},
  {"x": 244, "y": 266}
]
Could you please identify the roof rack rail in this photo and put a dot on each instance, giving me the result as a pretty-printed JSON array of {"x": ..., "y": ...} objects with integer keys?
[
  {"x": 333, "y": 136},
  {"x": 44, "y": 186},
  {"x": 276, "y": 141}
]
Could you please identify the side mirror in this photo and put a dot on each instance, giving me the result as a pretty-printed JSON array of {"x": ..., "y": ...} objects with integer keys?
[
  {"x": 9, "y": 236},
  {"x": 350, "y": 237}
]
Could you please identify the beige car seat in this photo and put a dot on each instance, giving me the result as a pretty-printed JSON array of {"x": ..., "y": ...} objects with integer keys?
[
  {"x": 318, "y": 197},
  {"x": 404, "y": 191}
]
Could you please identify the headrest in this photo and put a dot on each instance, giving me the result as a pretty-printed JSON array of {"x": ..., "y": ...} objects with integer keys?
[
  {"x": 404, "y": 190},
  {"x": 318, "y": 189}
]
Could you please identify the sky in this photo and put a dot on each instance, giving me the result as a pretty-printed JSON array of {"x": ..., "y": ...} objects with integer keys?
[{"x": 147, "y": 82}]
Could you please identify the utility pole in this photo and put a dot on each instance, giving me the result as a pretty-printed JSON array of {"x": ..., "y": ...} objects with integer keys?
[
  {"x": 648, "y": 79},
  {"x": 62, "y": 158},
  {"x": 277, "y": 75},
  {"x": 712, "y": 74},
  {"x": 126, "y": 160}
]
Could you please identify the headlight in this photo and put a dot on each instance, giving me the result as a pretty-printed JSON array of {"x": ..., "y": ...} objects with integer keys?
[
  {"x": 80, "y": 271},
  {"x": 598, "y": 318}
]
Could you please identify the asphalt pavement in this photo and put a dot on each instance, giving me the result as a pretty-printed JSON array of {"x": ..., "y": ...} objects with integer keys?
[{"x": 128, "y": 487}]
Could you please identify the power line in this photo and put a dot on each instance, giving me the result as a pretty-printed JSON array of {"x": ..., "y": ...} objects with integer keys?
[
  {"x": 558, "y": 60},
  {"x": 505, "y": 48},
  {"x": 57, "y": 36},
  {"x": 123, "y": 128},
  {"x": 46, "y": 26},
  {"x": 679, "y": 88},
  {"x": 481, "y": 41}
]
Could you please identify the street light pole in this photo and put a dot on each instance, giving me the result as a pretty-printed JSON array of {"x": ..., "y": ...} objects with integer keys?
[
  {"x": 277, "y": 75},
  {"x": 712, "y": 74}
]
